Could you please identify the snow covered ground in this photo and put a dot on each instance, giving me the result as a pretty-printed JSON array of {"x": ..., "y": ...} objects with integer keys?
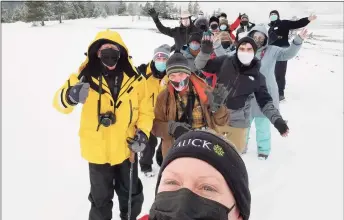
[{"x": 44, "y": 176}]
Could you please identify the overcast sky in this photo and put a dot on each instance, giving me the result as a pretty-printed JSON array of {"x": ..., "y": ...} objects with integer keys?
[{"x": 259, "y": 11}]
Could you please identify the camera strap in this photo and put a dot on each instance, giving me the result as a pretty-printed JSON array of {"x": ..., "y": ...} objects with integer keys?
[{"x": 100, "y": 91}]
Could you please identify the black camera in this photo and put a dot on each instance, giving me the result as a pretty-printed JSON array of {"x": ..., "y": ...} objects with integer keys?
[{"x": 107, "y": 119}]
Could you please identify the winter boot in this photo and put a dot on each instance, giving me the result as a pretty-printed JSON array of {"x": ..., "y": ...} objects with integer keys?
[
  {"x": 262, "y": 156},
  {"x": 281, "y": 98},
  {"x": 158, "y": 156}
]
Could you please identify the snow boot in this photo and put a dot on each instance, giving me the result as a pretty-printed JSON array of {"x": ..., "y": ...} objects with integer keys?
[
  {"x": 147, "y": 170},
  {"x": 262, "y": 156},
  {"x": 158, "y": 156},
  {"x": 281, "y": 98}
]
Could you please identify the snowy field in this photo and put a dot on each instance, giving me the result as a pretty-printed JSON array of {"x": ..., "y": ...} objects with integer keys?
[{"x": 44, "y": 176}]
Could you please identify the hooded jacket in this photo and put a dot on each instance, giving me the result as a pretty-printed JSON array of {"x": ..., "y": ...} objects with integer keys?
[
  {"x": 268, "y": 55},
  {"x": 180, "y": 34},
  {"x": 154, "y": 85},
  {"x": 167, "y": 110},
  {"x": 242, "y": 82},
  {"x": 243, "y": 28},
  {"x": 132, "y": 108},
  {"x": 279, "y": 30}
]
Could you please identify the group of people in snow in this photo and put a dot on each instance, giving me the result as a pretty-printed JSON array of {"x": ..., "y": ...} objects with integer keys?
[{"x": 199, "y": 96}]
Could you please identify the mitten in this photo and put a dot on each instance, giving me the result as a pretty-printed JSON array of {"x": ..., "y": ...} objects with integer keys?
[
  {"x": 217, "y": 97},
  {"x": 153, "y": 13},
  {"x": 78, "y": 93},
  {"x": 139, "y": 142},
  {"x": 177, "y": 129},
  {"x": 207, "y": 44},
  {"x": 281, "y": 126}
]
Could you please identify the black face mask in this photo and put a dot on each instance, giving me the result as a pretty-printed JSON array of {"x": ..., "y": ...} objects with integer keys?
[
  {"x": 225, "y": 44},
  {"x": 109, "y": 57},
  {"x": 183, "y": 204},
  {"x": 244, "y": 23},
  {"x": 214, "y": 26}
]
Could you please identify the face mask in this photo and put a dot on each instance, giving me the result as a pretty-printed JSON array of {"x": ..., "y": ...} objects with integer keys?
[
  {"x": 160, "y": 66},
  {"x": 223, "y": 27},
  {"x": 273, "y": 17},
  {"x": 259, "y": 42},
  {"x": 245, "y": 57},
  {"x": 180, "y": 86},
  {"x": 225, "y": 44},
  {"x": 194, "y": 46},
  {"x": 259, "y": 38},
  {"x": 109, "y": 57},
  {"x": 183, "y": 204},
  {"x": 244, "y": 23},
  {"x": 214, "y": 26},
  {"x": 185, "y": 22}
]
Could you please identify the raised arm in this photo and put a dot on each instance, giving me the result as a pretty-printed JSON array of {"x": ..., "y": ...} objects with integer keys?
[
  {"x": 283, "y": 54},
  {"x": 164, "y": 30}
]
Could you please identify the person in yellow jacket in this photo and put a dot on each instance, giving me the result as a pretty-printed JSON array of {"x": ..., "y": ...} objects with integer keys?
[
  {"x": 116, "y": 121},
  {"x": 155, "y": 73}
]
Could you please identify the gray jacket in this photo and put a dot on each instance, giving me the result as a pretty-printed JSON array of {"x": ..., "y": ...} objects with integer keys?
[
  {"x": 191, "y": 59},
  {"x": 268, "y": 62}
]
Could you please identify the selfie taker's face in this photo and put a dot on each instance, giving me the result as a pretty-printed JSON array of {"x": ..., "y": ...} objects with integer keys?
[{"x": 202, "y": 179}]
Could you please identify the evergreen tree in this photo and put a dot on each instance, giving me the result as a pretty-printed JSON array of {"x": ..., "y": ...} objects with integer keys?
[
  {"x": 72, "y": 12},
  {"x": 196, "y": 8},
  {"x": 145, "y": 9},
  {"x": 122, "y": 8},
  {"x": 59, "y": 9},
  {"x": 37, "y": 11},
  {"x": 190, "y": 8}
]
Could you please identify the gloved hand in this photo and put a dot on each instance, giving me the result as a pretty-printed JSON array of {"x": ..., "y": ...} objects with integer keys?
[
  {"x": 240, "y": 16},
  {"x": 207, "y": 43},
  {"x": 79, "y": 92},
  {"x": 217, "y": 97},
  {"x": 282, "y": 127},
  {"x": 177, "y": 129},
  {"x": 153, "y": 13},
  {"x": 139, "y": 142}
]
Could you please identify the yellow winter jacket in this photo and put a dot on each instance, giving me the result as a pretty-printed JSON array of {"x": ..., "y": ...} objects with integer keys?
[
  {"x": 155, "y": 85},
  {"x": 132, "y": 109}
]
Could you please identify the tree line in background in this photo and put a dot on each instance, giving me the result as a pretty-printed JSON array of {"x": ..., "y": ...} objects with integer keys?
[{"x": 41, "y": 11}]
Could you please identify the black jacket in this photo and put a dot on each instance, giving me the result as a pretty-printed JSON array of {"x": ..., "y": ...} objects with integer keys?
[
  {"x": 279, "y": 31},
  {"x": 180, "y": 34},
  {"x": 240, "y": 80},
  {"x": 241, "y": 29}
]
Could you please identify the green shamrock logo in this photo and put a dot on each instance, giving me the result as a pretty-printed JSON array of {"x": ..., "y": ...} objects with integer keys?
[{"x": 218, "y": 150}]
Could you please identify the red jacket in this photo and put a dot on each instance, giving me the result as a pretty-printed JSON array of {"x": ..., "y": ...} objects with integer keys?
[
  {"x": 146, "y": 217},
  {"x": 233, "y": 27}
]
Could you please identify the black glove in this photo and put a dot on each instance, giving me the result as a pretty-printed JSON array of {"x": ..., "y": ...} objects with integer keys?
[
  {"x": 177, "y": 129},
  {"x": 207, "y": 44},
  {"x": 153, "y": 14},
  {"x": 78, "y": 93},
  {"x": 240, "y": 16},
  {"x": 139, "y": 142},
  {"x": 217, "y": 97},
  {"x": 281, "y": 126}
]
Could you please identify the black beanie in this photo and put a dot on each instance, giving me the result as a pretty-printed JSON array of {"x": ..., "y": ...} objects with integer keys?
[
  {"x": 177, "y": 63},
  {"x": 212, "y": 19},
  {"x": 220, "y": 154},
  {"x": 276, "y": 12},
  {"x": 247, "y": 40},
  {"x": 195, "y": 37}
]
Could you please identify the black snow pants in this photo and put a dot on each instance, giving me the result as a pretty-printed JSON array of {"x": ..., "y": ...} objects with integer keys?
[
  {"x": 280, "y": 72},
  {"x": 106, "y": 179},
  {"x": 146, "y": 159}
]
